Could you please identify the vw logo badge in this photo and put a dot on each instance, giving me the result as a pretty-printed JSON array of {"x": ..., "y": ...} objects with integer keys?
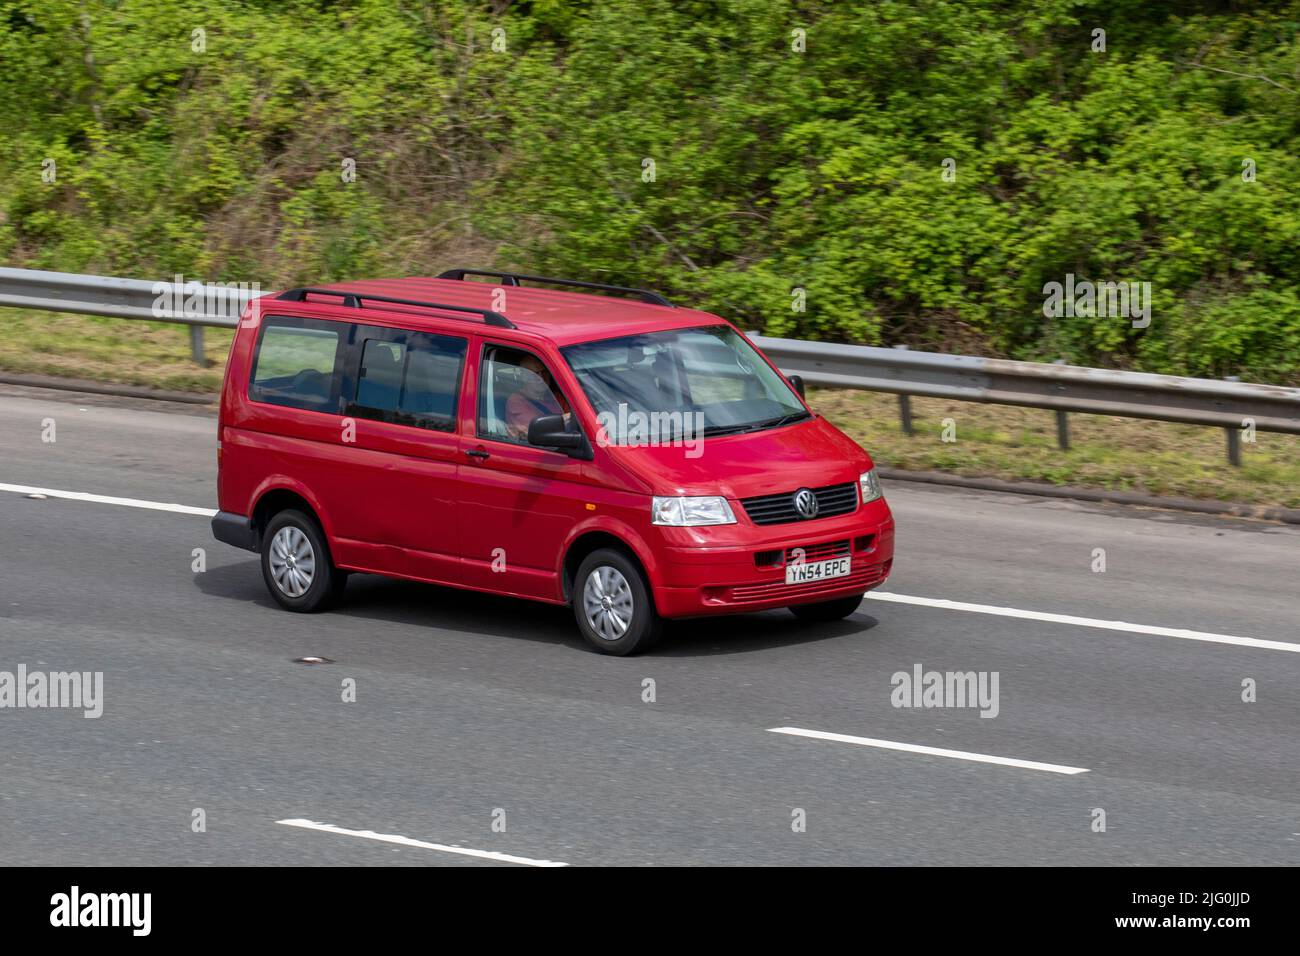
[{"x": 805, "y": 502}]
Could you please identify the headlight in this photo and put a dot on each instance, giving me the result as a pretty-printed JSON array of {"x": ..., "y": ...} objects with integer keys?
[
  {"x": 689, "y": 512},
  {"x": 869, "y": 485}
]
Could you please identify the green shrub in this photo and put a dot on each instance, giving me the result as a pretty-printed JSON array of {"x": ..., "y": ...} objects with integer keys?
[{"x": 781, "y": 178}]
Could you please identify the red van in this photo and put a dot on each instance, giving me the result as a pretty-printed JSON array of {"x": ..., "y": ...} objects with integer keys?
[{"x": 611, "y": 452}]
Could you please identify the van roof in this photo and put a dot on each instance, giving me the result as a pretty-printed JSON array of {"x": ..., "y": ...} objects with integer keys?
[{"x": 562, "y": 317}]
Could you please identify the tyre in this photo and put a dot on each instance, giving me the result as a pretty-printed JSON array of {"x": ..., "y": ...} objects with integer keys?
[
  {"x": 612, "y": 603},
  {"x": 825, "y": 611},
  {"x": 296, "y": 564}
]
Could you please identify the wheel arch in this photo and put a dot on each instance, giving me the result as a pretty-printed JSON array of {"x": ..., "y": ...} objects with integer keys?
[
  {"x": 272, "y": 500},
  {"x": 593, "y": 539}
]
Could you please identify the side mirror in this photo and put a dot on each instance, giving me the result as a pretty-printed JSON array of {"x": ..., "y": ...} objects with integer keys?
[
  {"x": 548, "y": 431},
  {"x": 797, "y": 382}
]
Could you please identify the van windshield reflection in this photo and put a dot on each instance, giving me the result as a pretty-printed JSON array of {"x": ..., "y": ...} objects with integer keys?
[{"x": 659, "y": 386}]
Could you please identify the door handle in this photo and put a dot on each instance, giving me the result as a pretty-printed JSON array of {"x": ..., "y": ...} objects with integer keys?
[{"x": 477, "y": 453}]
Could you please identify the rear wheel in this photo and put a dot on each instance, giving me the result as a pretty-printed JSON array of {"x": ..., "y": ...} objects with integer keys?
[
  {"x": 296, "y": 564},
  {"x": 613, "y": 605},
  {"x": 825, "y": 611}
]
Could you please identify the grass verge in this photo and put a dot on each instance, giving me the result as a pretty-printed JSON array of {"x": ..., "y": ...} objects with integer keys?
[
  {"x": 1019, "y": 444},
  {"x": 127, "y": 352}
]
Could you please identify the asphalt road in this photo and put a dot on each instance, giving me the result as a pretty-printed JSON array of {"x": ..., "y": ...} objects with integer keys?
[{"x": 471, "y": 710}]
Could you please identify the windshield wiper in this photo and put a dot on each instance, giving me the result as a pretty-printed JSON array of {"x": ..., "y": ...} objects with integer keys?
[
  {"x": 714, "y": 430},
  {"x": 756, "y": 426},
  {"x": 785, "y": 419}
]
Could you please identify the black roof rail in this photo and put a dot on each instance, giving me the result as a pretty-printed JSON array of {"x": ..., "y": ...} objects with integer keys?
[
  {"x": 512, "y": 278},
  {"x": 353, "y": 300}
]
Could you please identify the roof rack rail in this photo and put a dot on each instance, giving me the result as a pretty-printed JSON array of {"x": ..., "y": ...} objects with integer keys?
[
  {"x": 353, "y": 300},
  {"x": 513, "y": 278}
]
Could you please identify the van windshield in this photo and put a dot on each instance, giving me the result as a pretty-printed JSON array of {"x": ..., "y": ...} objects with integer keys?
[{"x": 701, "y": 381}]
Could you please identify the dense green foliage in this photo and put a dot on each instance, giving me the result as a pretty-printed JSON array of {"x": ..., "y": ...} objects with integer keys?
[{"x": 775, "y": 169}]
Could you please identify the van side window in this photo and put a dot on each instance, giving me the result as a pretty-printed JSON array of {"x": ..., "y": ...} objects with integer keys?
[
  {"x": 515, "y": 388},
  {"x": 380, "y": 380},
  {"x": 297, "y": 364},
  {"x": 408, "y": 378}
]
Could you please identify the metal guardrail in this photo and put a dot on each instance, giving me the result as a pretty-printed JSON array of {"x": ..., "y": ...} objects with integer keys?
[
  {"x": 219, "y": 305},
  {"x": 1230, "y": 405},
  {"x": 119, "y": 298},
  {"x": 1234, "y": 406},
  {"x": 1063, "y": 388}
]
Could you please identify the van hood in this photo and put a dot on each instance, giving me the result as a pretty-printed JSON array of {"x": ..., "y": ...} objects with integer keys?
[{"x": 811, "y": 453}]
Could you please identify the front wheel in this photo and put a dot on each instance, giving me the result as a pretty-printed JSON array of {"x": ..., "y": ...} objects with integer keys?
[
  {"x": 826, "y": 611},
  {"x": 613, "y": 605},
  {"x": 296, "y": 564}
]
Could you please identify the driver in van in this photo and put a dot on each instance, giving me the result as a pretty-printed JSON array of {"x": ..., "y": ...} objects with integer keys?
[{"x": 537, "y": 396}]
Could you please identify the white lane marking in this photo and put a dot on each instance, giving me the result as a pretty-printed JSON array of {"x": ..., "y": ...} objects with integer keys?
[
  {"x": 1087, "y": 622},
  {"x": 108, "y": 500},
  {"x": 407, "y": 841},
  {"x": 1293, "y": 647},
  {"x": 931, "y": 751}
]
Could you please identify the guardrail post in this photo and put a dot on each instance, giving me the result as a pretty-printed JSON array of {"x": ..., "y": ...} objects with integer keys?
[
  {"x": 1062, "y": 430},
  {"x": 196, "y": 346},
  {"x": 1062, "y": 423},
  {"x": 1233, "y": 436},
  {"x": 905, "y": 406},
  {"x": 905, "y": 414}
]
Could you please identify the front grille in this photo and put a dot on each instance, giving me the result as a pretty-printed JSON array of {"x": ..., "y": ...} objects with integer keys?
[
  {"x": 811, "y": 552},
  {"x": 832, "y": 500},
  {"x": 820, "y": 552},
  {"x": 864, "y": 578}
]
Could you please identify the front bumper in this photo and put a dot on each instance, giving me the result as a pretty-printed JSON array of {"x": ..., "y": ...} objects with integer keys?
[{"x": 735, "y": 578}]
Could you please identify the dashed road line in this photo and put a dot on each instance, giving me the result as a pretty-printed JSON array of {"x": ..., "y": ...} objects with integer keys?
[
  {"x": 1050, "y": 618},
  {"x": 109, "y": 500},
  {"x": 929, "y": 751},
  {"x": 421, "y": 844}
]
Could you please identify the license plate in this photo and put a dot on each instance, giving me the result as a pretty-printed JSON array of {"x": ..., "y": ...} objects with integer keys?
[{"x": 817, "y": 570}]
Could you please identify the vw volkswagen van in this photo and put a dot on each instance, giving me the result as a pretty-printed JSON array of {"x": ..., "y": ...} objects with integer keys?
[{"x": 549, "y": 439}]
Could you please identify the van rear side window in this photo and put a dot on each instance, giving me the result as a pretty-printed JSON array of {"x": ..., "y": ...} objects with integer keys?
[
  {"x": 297, "y": 364},
  {"x": 409, "y": 378}
]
